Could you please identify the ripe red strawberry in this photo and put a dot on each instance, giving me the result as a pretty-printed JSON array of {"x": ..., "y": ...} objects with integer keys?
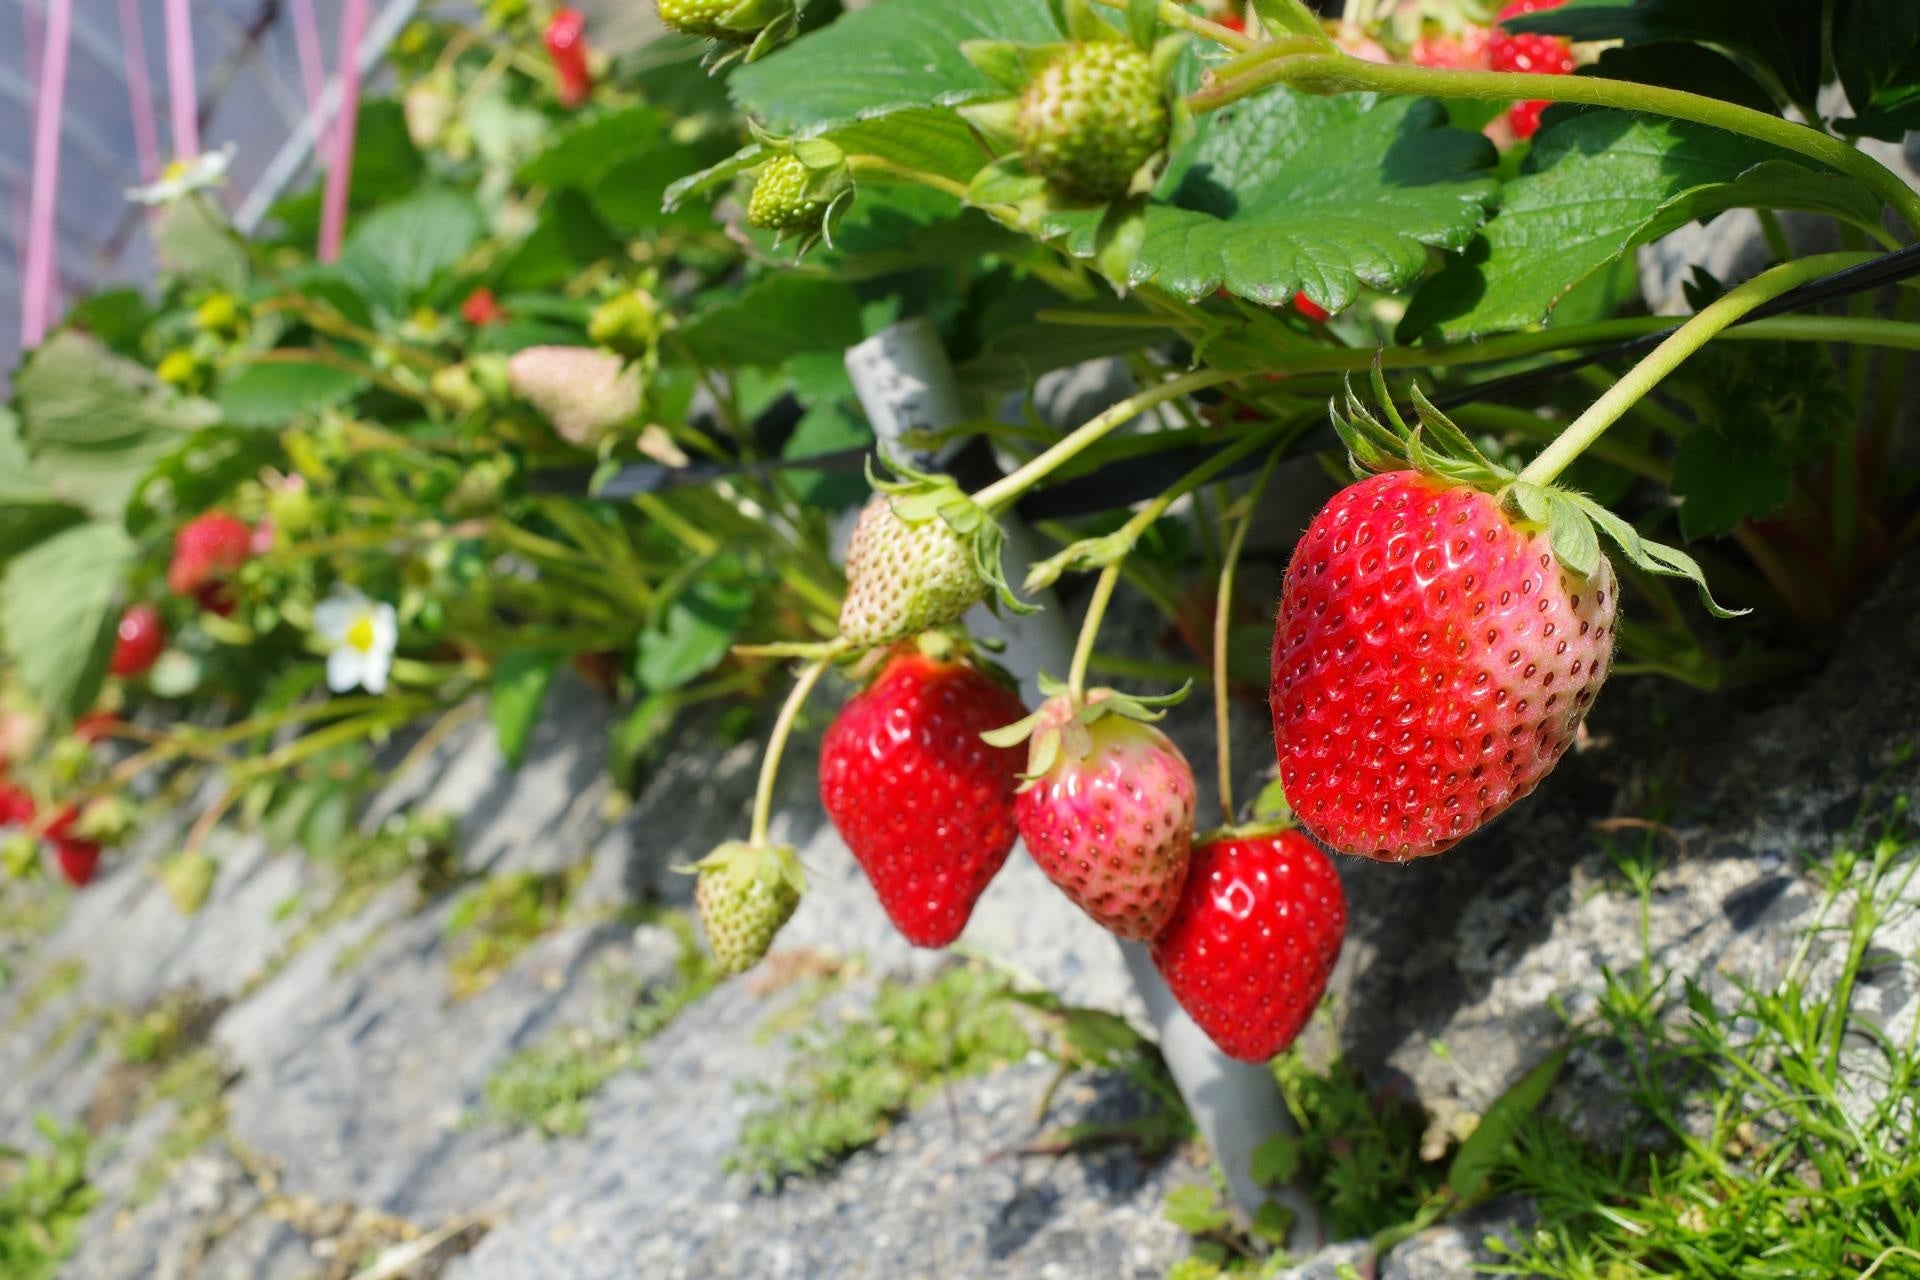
[
  {"x": 482, "y": 308},
  {"x": 1431, "y": 663},
  {"x": 1254, "y": 938},
  {"x": 207, "y": 551},
  {"x": 77, "y": 859},
  {"x": 138, "y": 641},
  {"x": 16, "y": 806},
  {"x": 1307, "y": 307},
  {"x": 1538, "y": 54},
  {"x": 925, "y": 805},
  {"x": 1108, "y": 814},
  {"x": 566, "y": 40}
]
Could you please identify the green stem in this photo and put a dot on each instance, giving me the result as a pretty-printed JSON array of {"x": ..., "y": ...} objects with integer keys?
[
  {"x": 1222, "y": 622},
  {"x": 1090, "y": 629},
  {"x": 1004, "y": 490},
  {"x": 1666, "y": 357},
  {"x": 1329, "y": 71},
  {"x": 1175, "y": 16},
  {"x": 777, "y": 743}
]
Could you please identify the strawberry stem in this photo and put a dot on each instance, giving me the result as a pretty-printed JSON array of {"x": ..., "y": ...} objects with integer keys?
[
  {"x": 996, "y": 496},
  {"x": 777, "y": 743},
  {"x": 1175, "y": 16},
  {"x": 1327, "y": 70},
  {"x": 1222, "y": 623},
  {"x": 1090, "y": 629},
  {"x": 1668, "y": 356}
]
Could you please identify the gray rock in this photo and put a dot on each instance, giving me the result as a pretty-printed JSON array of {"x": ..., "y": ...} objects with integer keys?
[{"x": 1457, "y": 1248}]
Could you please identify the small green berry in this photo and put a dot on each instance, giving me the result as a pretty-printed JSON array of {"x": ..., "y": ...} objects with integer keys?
[
  {"x": 700, "y": 18},
  {"x": 780, "y": 201},
  {"x": 1092, "y": 117}
]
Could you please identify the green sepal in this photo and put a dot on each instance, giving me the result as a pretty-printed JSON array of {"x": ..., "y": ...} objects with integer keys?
[
  {"x": 1289, "y": 18},
  {"x": 919, "y": 496},
  {"x": 1063, "y": 726},
  {"x": 1082, "y": 556},
  {"x": 747, "y": 157},
  {"x": 997, "y": 121},
  {"x": 1143, "y": 22},
  {"x": 1653, "y": 557},
  {"x": 1007, "y": 181},
  {"x": 1009, "y": 64},
  {"x": 1086, "y": 24}
]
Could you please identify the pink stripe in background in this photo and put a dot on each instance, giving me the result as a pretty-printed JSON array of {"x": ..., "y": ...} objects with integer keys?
[
  {"x": 183, "y": 98},
  {"x": 306, "y": 41},
  {"x": 146, "y": 131},
  {"x": 36, "y": 305},
  {"x": 333, "y": 213},
  {"x": 19, "y": 192}
]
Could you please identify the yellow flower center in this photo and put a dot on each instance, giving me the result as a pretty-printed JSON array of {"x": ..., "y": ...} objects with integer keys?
[
  {"x": 360, "y": 634},
  {"x": 176, "y": 170}
]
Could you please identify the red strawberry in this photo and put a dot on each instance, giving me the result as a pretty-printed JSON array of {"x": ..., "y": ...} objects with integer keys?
[
  {"x": 1307, "y": 307},
  {"x": 141, "y": 636},
  {"x": 1251, "y": 944},
  {"x": 1466, "y": 51},
  {"x": 95, "y": 725},
  {"x": 481, "y": 308},
  {"x": 1108, "y": 813},
  {"x": 1431, "y": 663},
  {"x": 567, "y": 46},
  {"x": 1232, "y": 22},
  {"x": 1538, "y": 54},
  {"x": 925, "y": 805},
  {"x": 77, "y": 859},
  {"x": 207, "y": 551},
  {"x": 16, "y": 806}
]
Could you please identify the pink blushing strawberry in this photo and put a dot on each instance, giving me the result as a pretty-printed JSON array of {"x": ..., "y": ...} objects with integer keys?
[
  {"x": 208, "y": 550},
  {"x": 1107, "y": 813}
]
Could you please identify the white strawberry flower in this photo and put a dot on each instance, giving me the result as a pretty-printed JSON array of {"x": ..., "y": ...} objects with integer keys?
[
  {"x": 360, "y": 635},
  {"x": 207, "y": 169}
]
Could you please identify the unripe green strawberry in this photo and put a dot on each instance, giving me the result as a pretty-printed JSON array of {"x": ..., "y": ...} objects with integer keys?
[
  {"x": 628, "y": 323},
  {"x": 780, "y": 201},
  {"x": 585, "y": 393},
  {"x": 904, "y": 578},
  {"x": 745, "y": 894},
  {"x": 700, "y": 18},
  {"x": 1092, "y": 117}
]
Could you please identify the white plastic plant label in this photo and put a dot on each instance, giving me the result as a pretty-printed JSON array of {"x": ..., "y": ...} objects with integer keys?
[{"x": 905, "y": 384}]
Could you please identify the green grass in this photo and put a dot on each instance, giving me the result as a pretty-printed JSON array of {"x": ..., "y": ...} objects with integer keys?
[
  {"x": 43, "y": 1199},
  {"x": 499, "y": 918},
  {"x": 548, "y": 1086},
  {"x": 57, "y": 981},
  {"x": 196, "y": 1084},
  {"x": 851, "y": 1078}
]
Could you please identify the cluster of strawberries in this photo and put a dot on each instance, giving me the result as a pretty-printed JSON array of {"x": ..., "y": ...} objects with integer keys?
[
  {"x": 207, "y": 552},
  {"x": 1497, "y": 49}
]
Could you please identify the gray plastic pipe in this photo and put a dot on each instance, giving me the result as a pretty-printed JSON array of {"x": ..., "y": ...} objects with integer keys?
[{"x": 905, "y": 382}]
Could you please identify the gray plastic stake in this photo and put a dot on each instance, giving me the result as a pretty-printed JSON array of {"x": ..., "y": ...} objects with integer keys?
[{"x": 905, "y": 382}]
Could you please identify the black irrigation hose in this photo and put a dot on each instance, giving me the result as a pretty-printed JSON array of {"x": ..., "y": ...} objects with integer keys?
[{"x": 1130, "y": 480}]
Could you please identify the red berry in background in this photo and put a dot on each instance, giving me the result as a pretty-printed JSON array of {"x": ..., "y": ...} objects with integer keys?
[
  {"x": 567, "y": 46},
  {"x": 94, "y": 725},
  {"x": 138, "y": 642},
  {"x": 1232, "y": 22},
  {"x": 77, "y": 859},
  {"x": 1465, "y": 51},
  {"x": 1111, "y": 822},
  {"x": 925, "y": 805},
  {"x": 481, "y": 309},
  {"x": 1537, "y": 54},
  {"x": 1432, "y": 661},
  {"x": 1307, "y": 307},
  {"x": 208, "y": 550},
  {"x": 1254, "y": 939},
  {"x": 16, "y": 806}
]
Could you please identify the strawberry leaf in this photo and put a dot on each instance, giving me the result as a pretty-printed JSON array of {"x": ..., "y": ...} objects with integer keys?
[
  {"x": 1596, "y": 185},
  {"x": 1290, "y": 193},
  {"x": 888, "y": 58}
]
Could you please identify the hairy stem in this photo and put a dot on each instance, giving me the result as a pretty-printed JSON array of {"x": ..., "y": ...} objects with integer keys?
[
  {"x": 1668, "y": 356},
  {"x": 1090, "y": 628},
  {"x": 1329, "y": 71},
  {"x": 1005, "y": 490},
  {"x": 777, "y": 743}
]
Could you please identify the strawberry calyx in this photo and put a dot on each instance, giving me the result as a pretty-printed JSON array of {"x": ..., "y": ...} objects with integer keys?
[
  {"x": 1436, "y": 446},
  {"x": 1062, "y": 728},
  {"x": 744, "y": 31}
]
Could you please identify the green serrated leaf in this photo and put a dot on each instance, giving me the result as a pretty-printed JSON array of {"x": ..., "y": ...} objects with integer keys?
[
  {"x": 1876, "y": 51},
  {"x": 274, "y": 394},
  {"x": 59, "y": 600},
  {"x": 694, "y": 632},
  {"x": 1594, "y": 186},
  {"x": 1289, "y": 192},
  {"x": 892, "y": 57},
  {"x": 1721, "y": 484},
  {"x": 395, "y": 253},
  {"x": 1275, "y": 1161}
]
